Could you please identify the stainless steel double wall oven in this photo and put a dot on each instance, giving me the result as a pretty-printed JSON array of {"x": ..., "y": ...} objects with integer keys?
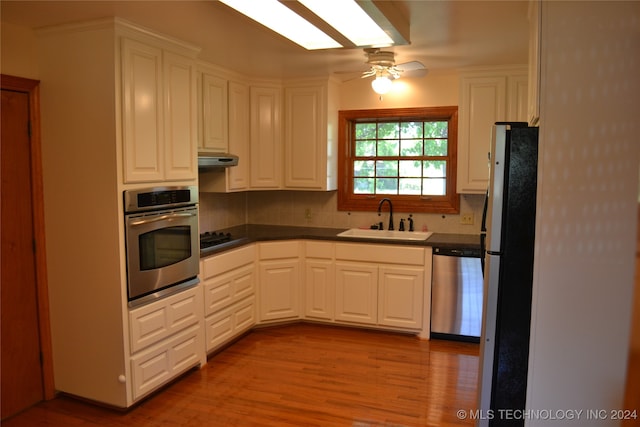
[{"x": 163, "y": 249}]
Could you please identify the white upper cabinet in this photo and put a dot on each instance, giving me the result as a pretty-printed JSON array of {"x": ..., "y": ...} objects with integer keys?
[
  {"x": 142, "y": 112},
  {"x": 214, "y": 124},
  {"x": 238, "y": 177},
  {"x": 486, "y": 96},
  {"x": 310, "y": 135},
  {"x": 284, "y": 138},
  {"x": 180, "y": 118},
  {"x": 159, "y": 113},
  {"x": 266, "y": 137}
]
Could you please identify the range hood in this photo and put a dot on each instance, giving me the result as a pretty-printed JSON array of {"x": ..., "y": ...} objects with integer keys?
[{"x": 209, "y": 161}]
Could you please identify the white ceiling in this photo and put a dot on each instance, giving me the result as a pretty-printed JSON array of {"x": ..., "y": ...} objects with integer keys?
[{"x": 444, "y": 34}]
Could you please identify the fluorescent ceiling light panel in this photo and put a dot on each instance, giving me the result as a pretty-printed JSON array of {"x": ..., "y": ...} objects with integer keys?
[
  {"x": 350, "y": 20},
  {"x": 282, "y": 20}
]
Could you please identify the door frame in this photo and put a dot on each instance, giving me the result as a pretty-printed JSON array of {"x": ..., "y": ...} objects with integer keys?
[{"x": 32, "y": 88}]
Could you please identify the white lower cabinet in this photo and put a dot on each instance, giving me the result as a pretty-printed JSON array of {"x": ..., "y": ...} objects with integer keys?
[
  {"x": 229, "y": 295},
  {"x": 373, "y": 285},
  {"x": 279, "y": 279},
  {"x": 157, "y": 365},
  {"x": 357, "y": 293},
  {"x": 226, "y": 324},
  {"x": 166, "y": 340},
  {"x": 380, "y": 285},
  {"x": 400, "y": 296},
  {"x": 319, "y": 280}
]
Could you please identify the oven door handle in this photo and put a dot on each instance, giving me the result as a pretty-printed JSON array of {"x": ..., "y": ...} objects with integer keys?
[{"x": 168, "y": 217}]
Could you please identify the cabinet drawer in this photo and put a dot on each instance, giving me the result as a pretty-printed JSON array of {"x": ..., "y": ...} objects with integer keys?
[
  {"x": 319, "y": 249},
  {"x": 279, "y": 250},
  {"x": 156, "y": 321},
  {"x": 226, "y": 324},
  {"x": 244, "y": 316},
  {"x": 219, "y": 264},
  {"x": 156, "y": 366},
  {"x": 228, "y": 288},
  {"x": 385, "y": 254}
]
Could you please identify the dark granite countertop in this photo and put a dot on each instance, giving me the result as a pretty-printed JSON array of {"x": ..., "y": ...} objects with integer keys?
[{"x": 249, "y": 233}]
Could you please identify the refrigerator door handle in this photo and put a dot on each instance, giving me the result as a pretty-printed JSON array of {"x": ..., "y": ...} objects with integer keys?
[{"x": 483, "y": 227}]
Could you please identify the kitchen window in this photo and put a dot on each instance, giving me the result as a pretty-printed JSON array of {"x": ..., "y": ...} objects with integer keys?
[{"x": 408, "y": 155}]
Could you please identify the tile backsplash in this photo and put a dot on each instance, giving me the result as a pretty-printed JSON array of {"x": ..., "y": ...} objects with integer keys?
[{"x": 319, "y": 209}]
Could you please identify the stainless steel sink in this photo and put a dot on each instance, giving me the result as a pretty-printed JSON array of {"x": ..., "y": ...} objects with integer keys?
[{"x": 363, "y": 233}]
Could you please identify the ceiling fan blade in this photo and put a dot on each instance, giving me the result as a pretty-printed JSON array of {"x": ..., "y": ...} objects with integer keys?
[
  {"x": 410, "y": 66},
  {"x": 345, "y": 76},
  {"x": 410, "y": 74},
  {"x": 412, "y": 69}
]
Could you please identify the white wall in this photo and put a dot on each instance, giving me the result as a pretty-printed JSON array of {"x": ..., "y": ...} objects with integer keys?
[
  {"x": 436, "y": 89},
  {"x": 585, "y": 238}
]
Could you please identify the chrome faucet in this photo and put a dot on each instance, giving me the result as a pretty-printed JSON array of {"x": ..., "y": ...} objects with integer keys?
[{"x": 390, "y": 211}]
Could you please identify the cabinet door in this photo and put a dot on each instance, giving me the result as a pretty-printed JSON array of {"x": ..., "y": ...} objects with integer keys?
[
  {"x": 517, "y": 105},
  {"x": 279, "y": 281},
  {"x": 401, "y": 291},
  {"x": 356, "y": 293},
  {"x": 239, "y": 122},
  {"x": 482, "y": 101},
  {"x": 180, "y": 118},
  {"x": 266, "y": 144},
  {"x": 142, "y": 112},
  {"x": 305, "y": 158},
  {"x": 214, "y": 114},
  {"x": 319, "y": 288}
]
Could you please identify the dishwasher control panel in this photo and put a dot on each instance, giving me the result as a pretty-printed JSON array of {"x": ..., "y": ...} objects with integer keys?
[{"x": 465, "y": 252}]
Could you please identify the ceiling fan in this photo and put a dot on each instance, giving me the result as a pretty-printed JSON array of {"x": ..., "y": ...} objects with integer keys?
[{"x": 383, "y": 67}]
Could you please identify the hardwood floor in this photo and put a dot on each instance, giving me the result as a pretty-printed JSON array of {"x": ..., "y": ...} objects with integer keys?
[{"x": 301, "y": 375}]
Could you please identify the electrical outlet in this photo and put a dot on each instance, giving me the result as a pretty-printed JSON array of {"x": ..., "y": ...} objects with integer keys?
[
  {"x": 466, "y": 218},
  {"x": 307, "y": 213}
]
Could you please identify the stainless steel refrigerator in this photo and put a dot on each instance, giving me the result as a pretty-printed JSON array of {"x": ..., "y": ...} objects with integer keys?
[{"x": 507, "y": 237}]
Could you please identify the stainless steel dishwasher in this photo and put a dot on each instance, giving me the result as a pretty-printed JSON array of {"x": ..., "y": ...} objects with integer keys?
[{"x": 456, "y": 294}]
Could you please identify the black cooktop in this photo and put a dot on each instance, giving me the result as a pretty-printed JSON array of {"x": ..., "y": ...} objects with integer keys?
[{"x": 213, "y": 238}]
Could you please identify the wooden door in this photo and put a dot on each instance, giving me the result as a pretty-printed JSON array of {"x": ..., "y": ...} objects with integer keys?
[{"x": 22, "y": 379}]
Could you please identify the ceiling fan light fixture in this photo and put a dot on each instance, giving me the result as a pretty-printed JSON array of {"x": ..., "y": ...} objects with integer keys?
[
  {"x": 381, "y": 85},
  {"x": 347, "y": 17},
  {"x": 284, "y": 21}
]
